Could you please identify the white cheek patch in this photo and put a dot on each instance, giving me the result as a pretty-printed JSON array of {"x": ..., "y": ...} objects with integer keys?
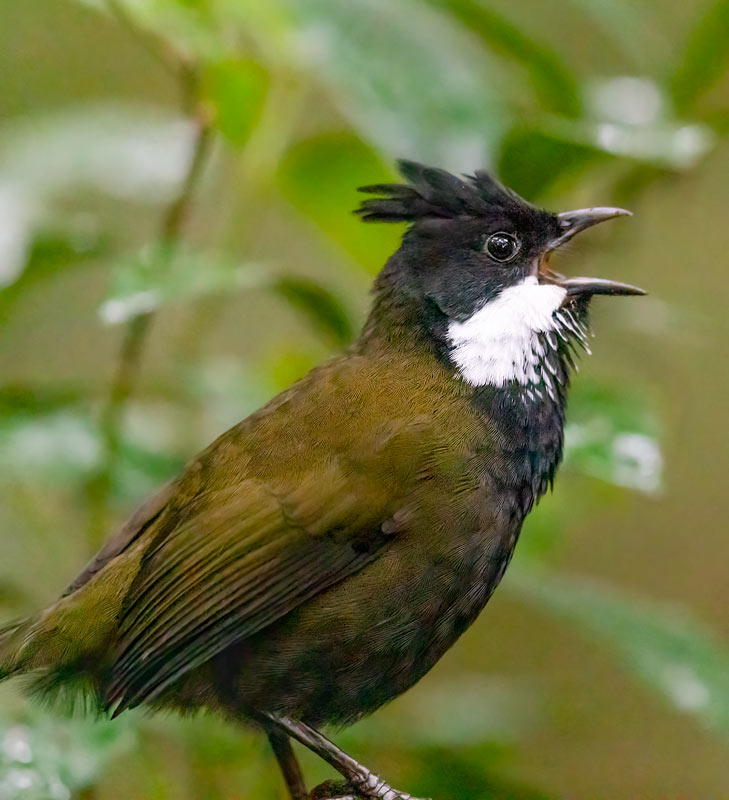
[{"x": 499, "y": 343}]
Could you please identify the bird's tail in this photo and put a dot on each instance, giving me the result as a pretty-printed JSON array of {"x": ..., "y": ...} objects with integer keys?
[
  {"x": 64, "y": 648},
  {"x": 12, "y": 638}
]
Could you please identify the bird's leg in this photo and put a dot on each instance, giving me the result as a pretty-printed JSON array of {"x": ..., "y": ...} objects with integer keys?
[
  {"x": 361, "y": 779},
  {"x": 288, "y": 764}
]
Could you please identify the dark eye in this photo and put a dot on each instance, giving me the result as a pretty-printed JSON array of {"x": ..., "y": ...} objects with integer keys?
[{"x": 502, "y": 246}]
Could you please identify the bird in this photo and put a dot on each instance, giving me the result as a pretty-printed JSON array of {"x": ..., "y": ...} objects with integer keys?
[{"x": 318, "y": 558}]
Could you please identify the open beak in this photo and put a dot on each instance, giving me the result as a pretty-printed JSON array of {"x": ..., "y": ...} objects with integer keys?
[{"x": 571, "y": 223}]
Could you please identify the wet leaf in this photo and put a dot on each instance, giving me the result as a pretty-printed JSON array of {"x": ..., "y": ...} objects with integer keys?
[
  {"x": 160, "y": 275},
  {"x": 61, "y": 446},
  {"x": 625, "y": 24},
  {"x": 408, "y": 80},
  {"x": 46, "y": 758},
  {"x": 192, "y": 27},
  {"x": 554, "y": 83},
  {"x": 614, "y": 435},
  {"x": 704, "y": 60},
  {"x": 674, "y": 654}
]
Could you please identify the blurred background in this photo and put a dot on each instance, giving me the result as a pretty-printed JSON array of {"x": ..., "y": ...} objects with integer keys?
[{"x": 176, "y": 245}]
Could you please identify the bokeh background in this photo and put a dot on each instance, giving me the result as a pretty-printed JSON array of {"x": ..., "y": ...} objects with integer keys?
[{"x": 176, "y": 245}]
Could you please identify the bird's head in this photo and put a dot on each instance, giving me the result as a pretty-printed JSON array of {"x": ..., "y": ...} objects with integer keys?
[{"x": 474, "y": 261}]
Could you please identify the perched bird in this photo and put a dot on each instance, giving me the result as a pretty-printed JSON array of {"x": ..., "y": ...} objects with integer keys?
[{"x": 319, "y": 557}]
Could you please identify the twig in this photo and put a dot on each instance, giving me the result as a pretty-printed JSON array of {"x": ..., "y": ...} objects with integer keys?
[{"x": 137, "y": 330}]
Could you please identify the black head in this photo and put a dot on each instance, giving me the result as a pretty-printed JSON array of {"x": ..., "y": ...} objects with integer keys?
[{"x": 470, "y": 238}]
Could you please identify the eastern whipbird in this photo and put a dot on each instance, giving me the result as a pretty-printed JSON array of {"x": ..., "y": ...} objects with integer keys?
[{"x": 319, "y": 557}]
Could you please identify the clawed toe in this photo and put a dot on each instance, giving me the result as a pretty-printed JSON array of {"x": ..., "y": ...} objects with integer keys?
[
  {"x": 341, "y": 790},
  {"x": 334, "y": 790}
]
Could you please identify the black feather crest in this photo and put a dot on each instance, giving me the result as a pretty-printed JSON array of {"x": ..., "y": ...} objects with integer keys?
[{"x": 433, "y": 192}]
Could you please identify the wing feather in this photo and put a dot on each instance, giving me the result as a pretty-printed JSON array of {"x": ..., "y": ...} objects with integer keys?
[{"x": 241, "y": 561}]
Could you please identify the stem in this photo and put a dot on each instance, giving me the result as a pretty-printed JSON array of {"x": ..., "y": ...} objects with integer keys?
[{"x": 137, "y": 330}]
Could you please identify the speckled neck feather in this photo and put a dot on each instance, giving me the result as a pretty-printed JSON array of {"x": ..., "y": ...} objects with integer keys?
[{"x": 514, "y": 338}]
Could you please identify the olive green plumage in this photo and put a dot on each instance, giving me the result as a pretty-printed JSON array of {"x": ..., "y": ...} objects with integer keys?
[{"x": 284, "y": 506}]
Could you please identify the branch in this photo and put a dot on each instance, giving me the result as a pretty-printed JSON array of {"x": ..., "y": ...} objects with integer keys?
[{"x": 137, "y": 330}]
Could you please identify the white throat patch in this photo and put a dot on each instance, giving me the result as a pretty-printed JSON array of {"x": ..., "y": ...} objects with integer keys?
[{"x": 500, "y": 342}]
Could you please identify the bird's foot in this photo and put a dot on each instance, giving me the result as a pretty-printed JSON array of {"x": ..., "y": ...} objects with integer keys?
[
  {"x": 334, "y": 790},
  {"x": 365, "y": 787},
  {"x": 372, "y": 787}
]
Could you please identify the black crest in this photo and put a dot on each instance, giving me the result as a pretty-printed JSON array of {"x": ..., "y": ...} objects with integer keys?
[{"x": 433, "y": 192}]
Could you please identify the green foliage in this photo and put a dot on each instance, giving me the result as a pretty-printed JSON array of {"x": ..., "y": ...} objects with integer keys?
[
  {"x": 554, "y": 83},
  {"x": 613, "y": 434},
  {"x": 319, "y": 176},
  {"x": 704, "y": 60},
  {"x": 162, "y": 274},
  {"x": 313, "y": 98},
  {"x": 42, "y": 758},
  {"x": 669, "y": 650},
  {"x": 236, "y": 89}
]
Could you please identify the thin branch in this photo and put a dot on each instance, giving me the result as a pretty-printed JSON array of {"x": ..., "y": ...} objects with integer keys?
[{"x": 137, "y": 330}]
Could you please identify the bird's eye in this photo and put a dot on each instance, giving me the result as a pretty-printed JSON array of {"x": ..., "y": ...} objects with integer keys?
[{"x": 502, "y": 246}]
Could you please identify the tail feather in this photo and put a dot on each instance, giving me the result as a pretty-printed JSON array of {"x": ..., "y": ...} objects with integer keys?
[
  {"x": 12, "y": 637},
  {"x": 64, "y": 648}
]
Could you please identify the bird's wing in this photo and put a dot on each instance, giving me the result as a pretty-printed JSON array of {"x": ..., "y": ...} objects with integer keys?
[
  {"x": 245, "y": 555},
  {"x": 144, "y": 516}
]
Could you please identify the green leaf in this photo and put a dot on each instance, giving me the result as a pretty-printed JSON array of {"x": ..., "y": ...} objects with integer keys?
[
  {"x": 409, "y": 80},
  {"x": 192, "y": 27},
  {"x": 671, "y": 652},
  {"x": 704, "y": 60},
  {"x": 627, "y": 27},
  {"x": 532, "y": 160},
  {"x": 662, "y": 143},
  {"x": 462, "y": 711},
  {"x": 614, "y": 435},
  {"x": 47, "y": 758},
  {"x": 553, "y": 81},
  {"x": 49, "y": 252},
  {"x": 236, "y": 89},
  {"x": 60, "y": 446},
  {"x": 321, "y": 306},
  {"x": 160, "y": 275},
  {"x": 319, "y": 177}
]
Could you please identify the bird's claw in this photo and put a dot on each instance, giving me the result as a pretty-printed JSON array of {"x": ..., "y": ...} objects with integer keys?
[{"x": 373, "y": 789}]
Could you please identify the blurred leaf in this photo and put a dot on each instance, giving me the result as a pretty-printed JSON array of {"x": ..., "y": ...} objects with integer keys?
[
  {"x": 49, "y": 252},
  {"x": 533, "y": 160},
  {"x": 131, "y": 153},
  {"x": 627, "y": 27},
  {"x": 465, "y": 711},
  {"x": 20, "y": 398},
  {"x": 237, "y": 90},
  {"x": 191, "y": 26},
  {"x": 464, "y": 773},
  {"x": 320, "y": 305},
  {"x": 613, "y": 434},
  {"x": 673, "y": 653},
  {"x": 320, "y": 175},
  {"x": 704, "y": 60},
  {"x": 61, "y": 446},
  {"x": 553, "y": 81},
  {"x": 122, "y": 150},
  {"x": 45, "y": 758},
  {"x": 408, "y": 80},
  {"x": 159, "y": 275},
  {"x": 661, "y": 144}
]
